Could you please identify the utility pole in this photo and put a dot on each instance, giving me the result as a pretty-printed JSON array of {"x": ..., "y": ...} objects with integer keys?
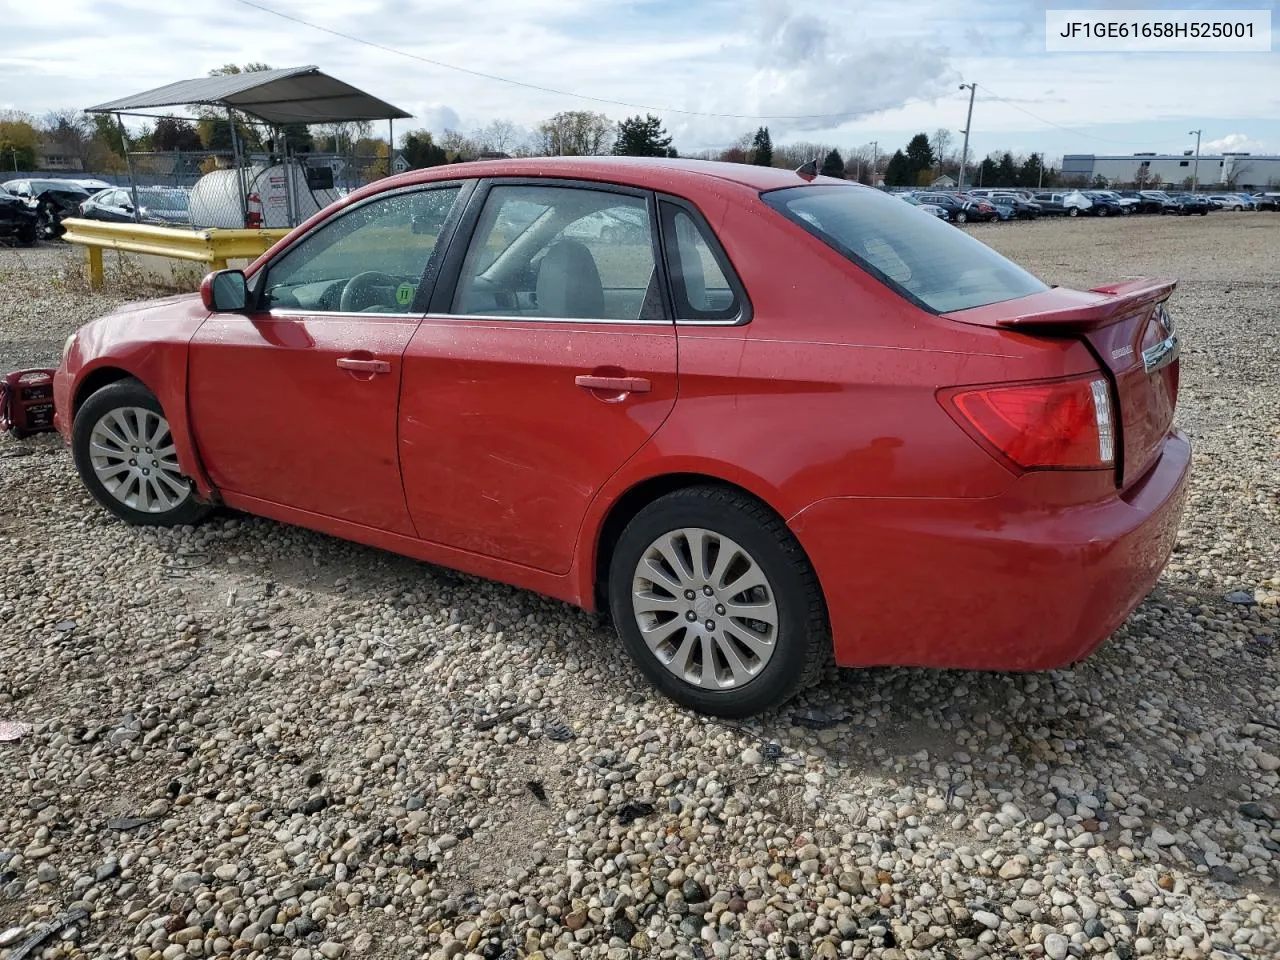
[
  {"x": 1040, "y": 184},
  {"x": 968, "y": 123},
  {"x": 875, "y": 156},
  {"x": 1195, "y": 175}
]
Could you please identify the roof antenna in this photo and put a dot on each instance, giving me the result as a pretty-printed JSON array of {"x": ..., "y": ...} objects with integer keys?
[{"x": 809, "y": 169}]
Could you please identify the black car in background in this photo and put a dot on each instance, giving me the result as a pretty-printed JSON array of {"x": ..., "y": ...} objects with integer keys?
[
  {"x": 1267, "y": 201},
  {"x": 960, "y": 209},
  {"x": 1022, "y": 208},
  {"x": 158, "y": 206},
  {"x": 1104, "y": 205},
  {"x": 55, "y": 200},
  {"x": 17, "y": 219},
  {"x": 1189, "y": 203}
]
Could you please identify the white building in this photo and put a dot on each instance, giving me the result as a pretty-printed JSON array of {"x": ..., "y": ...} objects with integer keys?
[{"x": 1239, "y": 171}]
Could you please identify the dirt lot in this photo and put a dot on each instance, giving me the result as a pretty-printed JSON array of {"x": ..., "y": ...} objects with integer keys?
[{"x": 250, "y": 740}]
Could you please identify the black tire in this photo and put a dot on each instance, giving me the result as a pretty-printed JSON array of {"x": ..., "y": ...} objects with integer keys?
[
  {"x": 1102, "y": 211},
  {"x": 962, "y": 217},
  {"x": 125, "y": 393},
  {"x": 802, "y": 648},
  {"x": 1073, "y": 211}
]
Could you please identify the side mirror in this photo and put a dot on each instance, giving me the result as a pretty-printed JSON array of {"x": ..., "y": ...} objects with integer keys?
[{"x": 224, "y": 291}]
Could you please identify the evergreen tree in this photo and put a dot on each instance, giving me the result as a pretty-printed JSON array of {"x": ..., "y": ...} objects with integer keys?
[
  {"x": 899, "y": 172},
  {"x": 919, "y": 155},
  {"x": 420, "y": 150},
  {"x": 762, "y": 148},
  {"x": 642, "y": 137},
  {"x": 833, "y": 165},
  {"x": 1030, "y": 173},
  {"x": 1006, "y": 171}
]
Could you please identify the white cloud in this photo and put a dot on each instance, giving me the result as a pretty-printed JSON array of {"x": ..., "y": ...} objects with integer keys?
[{"x": 1232, "y": 143}]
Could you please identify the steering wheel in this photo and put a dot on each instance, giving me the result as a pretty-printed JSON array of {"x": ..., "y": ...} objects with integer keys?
[{"x": 360, "y": 293}]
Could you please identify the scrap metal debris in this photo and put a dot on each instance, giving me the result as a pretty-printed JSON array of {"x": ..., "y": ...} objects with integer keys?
[
  {"x": 559, "y": 731},
  {"x": 52, "y": 928},
  {"x": 538, "y": 790},
  {"x": 632, "y": 812},
  {"x": 502, "y": 716}
]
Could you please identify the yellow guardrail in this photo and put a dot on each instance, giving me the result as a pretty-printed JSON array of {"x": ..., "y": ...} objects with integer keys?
[{"x": 212, "y": 246}]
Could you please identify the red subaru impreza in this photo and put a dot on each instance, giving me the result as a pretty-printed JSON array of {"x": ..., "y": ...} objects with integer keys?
[{"x": 744, "y": 410}]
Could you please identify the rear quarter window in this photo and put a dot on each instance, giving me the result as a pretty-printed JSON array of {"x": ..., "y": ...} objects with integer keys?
[{"x": 931, "y": 263}]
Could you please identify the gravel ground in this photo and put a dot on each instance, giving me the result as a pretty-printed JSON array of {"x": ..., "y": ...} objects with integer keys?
[{"x": 250, "y": 740}]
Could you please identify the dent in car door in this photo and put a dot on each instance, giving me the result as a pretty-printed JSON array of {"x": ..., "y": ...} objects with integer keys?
[{"x": 548, "y": 366}]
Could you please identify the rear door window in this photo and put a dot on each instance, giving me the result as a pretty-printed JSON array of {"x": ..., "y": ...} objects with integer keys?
[
  {"x": 700, "y": 272},
  {"x": 929, "y": 262}
]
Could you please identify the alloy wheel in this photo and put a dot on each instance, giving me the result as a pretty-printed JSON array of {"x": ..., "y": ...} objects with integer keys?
[
  {"x": 132, "y": 454},
  {"x": 705, "y": 608}
]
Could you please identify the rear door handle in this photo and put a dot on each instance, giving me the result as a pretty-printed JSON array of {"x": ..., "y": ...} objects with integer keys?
[
  {"x": 613, "y": 384},
  {"x": 356, "y": 365}
]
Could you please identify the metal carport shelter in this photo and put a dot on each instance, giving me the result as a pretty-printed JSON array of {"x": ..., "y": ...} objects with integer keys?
[{"x": 277, "y": 98}]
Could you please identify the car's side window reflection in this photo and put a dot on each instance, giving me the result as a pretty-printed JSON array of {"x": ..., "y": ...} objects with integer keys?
[
  {"x": 561, "y": 252},
  {"x": 367, "y": 260}
]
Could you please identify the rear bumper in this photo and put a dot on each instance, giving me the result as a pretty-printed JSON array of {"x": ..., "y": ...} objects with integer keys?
[{"x": 995, "y": 584}]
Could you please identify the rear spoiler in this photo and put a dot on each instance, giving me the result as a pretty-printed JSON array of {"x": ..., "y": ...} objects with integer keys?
[{"x": 1097, "y": 308}]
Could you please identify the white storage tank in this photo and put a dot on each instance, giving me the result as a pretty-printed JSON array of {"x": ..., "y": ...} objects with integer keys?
[{"x": 216, "y": 199}]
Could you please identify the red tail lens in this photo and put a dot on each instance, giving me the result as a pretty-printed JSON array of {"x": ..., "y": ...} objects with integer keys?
[{"x": 1065, "y": 424}]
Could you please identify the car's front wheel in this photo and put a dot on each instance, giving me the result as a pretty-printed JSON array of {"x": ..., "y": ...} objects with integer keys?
[
  {"x": 962, "y": 217},
  {"x": 125, "y": 454},
  {"x": 1073, "y": 211},
  {"x": 716, "y": 601}
]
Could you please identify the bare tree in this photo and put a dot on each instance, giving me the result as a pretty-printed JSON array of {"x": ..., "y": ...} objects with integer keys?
[
  {"x": 576, "y": 133},
  {"x": 343, "y": 137},
  {"x": 500, "y": 136},
  {"x": 71, "y": 134},
  {"x": 941, "y": 143}
]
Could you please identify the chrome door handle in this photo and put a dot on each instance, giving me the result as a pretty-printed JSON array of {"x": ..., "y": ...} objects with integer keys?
[
  {"x": 363, "y": 366},
  {"x": 614, "y": 384}
]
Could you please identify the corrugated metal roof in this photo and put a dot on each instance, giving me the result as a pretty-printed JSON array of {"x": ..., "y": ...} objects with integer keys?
[{"x": 290, "y": 95}]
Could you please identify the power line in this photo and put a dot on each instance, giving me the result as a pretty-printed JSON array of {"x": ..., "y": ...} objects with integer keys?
[
  {"x": 992, "y": 95},
  {"x": 848, "y": 115}
]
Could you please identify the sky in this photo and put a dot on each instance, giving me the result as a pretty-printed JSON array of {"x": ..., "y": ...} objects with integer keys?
[{"x": 847, "y": 73}]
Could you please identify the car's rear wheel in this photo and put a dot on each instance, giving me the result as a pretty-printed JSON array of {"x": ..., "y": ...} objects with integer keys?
[
  {"x": 125, "y": 454},
  {"x": 962, "y": 217},
  {"x": 1102, "y": 211},
  {"x": 1073, "y": 211},
  {"x": 717, "y": 603}
]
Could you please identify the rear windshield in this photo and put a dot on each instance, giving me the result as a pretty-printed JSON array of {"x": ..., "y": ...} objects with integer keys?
[{"x": 931, "y": 263}]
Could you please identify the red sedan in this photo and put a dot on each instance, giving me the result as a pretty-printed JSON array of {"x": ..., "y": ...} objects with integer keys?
[{"x": 758, "y": 416}]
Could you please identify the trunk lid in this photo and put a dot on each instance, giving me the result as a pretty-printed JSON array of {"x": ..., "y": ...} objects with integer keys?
[{"x": 1127, "y": 327}]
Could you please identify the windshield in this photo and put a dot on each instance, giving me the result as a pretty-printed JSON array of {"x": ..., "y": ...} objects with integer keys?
[{"x": 930, "y": 262}]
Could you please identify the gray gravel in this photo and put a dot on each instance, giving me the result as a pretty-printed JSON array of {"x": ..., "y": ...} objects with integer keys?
[{"x": 253, "y": 741}]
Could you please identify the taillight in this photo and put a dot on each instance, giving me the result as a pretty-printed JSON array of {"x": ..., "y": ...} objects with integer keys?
[{"x": 1061, "y": 424}]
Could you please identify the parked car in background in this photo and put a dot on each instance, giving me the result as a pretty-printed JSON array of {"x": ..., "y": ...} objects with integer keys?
[
  {"x": 1142, "y": 203},
  {"x": 1160, "y": 202},
  {"x": 959, "y": 209},
  {"x": 1128, "y": 205},
  {"x": 159, "y": 206},
  {"x": 1023, "y": 209},
  {"x": 1101, "y": 205},
  {"x": 1069, "y": 202},
  {"x": 1004, "y": 210},
  {"x": 1267, "y": 201},
  {"x": 55, "y": 200},
  {"x": 980, "y": 208},
  {"x": 410, "y": 372},
  {"x": 92, "y": 186},
  {"x": 1189, "y": 203},
  {"x": 18, "y": 219},
  {"x": 930, "y": 208}
]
